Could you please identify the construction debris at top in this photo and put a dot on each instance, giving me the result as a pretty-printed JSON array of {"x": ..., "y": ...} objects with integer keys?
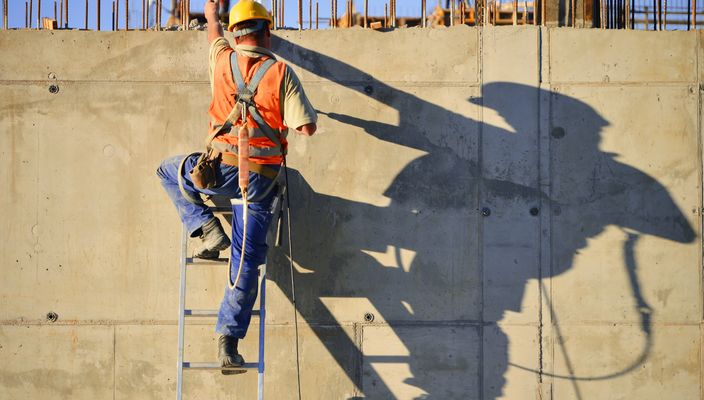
[{"x": 179, "y": 15}]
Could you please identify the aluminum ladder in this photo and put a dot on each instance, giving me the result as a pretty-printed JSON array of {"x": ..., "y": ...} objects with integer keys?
[{"x": 191, "y": 313}]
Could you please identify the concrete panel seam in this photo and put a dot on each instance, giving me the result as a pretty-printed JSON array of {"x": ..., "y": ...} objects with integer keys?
[
  {"x": 623, "y": 83},
  {"x": 433, "y": 84},
  {"x": 320, "y": 82},
  {"x": 99, "y": 81},
  {"x": 359, "y": 368},
  {"x": 114, "y": 362},
  {"x": 480, "y": 224}
]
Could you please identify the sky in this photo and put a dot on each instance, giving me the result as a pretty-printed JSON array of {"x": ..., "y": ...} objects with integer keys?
[
  {"x": 77, "y": 8},
  {"x": 76, "y": 18}
]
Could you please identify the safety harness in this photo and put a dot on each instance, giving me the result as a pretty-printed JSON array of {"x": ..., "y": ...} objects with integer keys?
[{"x": 244, "y": 105}]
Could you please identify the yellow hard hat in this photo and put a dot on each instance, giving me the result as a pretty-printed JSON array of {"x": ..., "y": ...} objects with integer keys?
[{"x": 246, "y": 10}]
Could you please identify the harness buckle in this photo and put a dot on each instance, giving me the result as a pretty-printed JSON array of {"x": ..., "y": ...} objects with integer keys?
[{"x": 245, "y": 97}]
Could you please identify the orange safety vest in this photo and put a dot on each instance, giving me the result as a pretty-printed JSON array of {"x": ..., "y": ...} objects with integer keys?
[{"x": 267, "y": 100}]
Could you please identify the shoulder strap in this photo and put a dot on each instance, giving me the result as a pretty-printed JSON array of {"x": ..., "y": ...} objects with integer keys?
[{"x": 254, "y": 83}]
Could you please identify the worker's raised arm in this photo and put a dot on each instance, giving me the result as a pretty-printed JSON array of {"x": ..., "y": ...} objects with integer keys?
[{"x": 210, "y": 9}]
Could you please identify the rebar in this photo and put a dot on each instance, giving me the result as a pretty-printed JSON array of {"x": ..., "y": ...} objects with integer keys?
[
  {"x": 86, "y": 21},
  {"x": 143, "y": 16},
  {"x": 310, "y": 14},
  {"x": 514, "y": 16},
  {"x": 117, "y": 15},
  {"x": 300, "y": 15},
  {"x": 573, "y": 10},
  {"x": 333, "y": 13},
  {"x": 366, "y": 14},
  {"x": 665, "y": 15},
  {"x": 386, "y": 15},
  {"x": 97, "y": 15},
  {"x": 66, "y": 14},
  {"x": 4, "y": 14},
  {"x": 422, "y": 14},
  {"x": 273, "y": 13},
  {"x": 391, "y": 13},
  {"x": 31, "y": 6},
  {"x": 452, "y": 13},
  {"x": 496, "y": 11},
  {"x": 542, "y": 12},
  {"x": 316, "y": 14},
  {"x": 39, "y": 14},
  {"x": 458, "y": 15},
  {"x": 26, "y": 14},
  {"x": 113, "y": 15},
  {"x": 694, "y": 14}
]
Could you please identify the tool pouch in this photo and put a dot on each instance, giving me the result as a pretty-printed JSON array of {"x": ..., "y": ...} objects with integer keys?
[{"x": 204, "y": 173}]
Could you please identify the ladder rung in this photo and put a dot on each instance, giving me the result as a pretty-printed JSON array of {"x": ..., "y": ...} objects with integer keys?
[
  {"x": 208, "y": 313},
  {"x": 200, "y": 313},
  {"x": 206, "y": 261},
  {"x": 212, "y": 365}
]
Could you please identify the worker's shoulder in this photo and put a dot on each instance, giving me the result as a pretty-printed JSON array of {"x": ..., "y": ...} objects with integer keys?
[{"x": 288, "y": 72}]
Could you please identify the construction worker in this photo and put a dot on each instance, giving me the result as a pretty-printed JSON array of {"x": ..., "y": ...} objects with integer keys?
[{"x": 280, "y": 102}]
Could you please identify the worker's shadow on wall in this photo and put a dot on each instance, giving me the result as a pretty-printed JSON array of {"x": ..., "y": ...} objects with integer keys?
[{"x": 440, "y": 301}]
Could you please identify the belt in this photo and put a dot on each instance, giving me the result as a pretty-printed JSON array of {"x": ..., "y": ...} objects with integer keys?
[{"x": 263, "y": 170}]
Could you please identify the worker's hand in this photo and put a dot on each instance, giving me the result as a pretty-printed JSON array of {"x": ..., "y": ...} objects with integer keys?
[{"x": 210, "y": 10}]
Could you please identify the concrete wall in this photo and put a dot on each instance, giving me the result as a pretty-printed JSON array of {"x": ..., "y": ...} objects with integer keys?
[{"x": 520, "y": 210}]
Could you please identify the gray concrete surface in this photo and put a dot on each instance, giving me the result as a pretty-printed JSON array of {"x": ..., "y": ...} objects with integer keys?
[{"x": 582, "y": 282}]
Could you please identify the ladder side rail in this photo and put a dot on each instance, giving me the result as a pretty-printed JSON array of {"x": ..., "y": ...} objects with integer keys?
[
  {"x": 262, "y": 319},
  {"x": 181, "y": 313}
]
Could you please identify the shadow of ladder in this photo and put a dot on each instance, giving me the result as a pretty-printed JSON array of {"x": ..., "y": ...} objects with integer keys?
[{"x": 184, "y": 312}]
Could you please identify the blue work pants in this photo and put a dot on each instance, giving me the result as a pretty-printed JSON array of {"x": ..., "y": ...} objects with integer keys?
[{"x": 236, "y": 306}]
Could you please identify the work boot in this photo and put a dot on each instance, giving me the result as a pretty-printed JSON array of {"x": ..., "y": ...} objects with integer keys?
[
  {"x": 228, "y": 355},
  {"x": 214, "y": 240}
]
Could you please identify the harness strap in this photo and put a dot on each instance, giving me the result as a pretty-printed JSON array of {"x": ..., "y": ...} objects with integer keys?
[
  {"x": 245, "y": 94},
  {"x": 254, "y": 83},
  {"x": 236, "y": 73},
  {"x": 268, "y": 131},
  {"x": 254, "y": 152}
]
